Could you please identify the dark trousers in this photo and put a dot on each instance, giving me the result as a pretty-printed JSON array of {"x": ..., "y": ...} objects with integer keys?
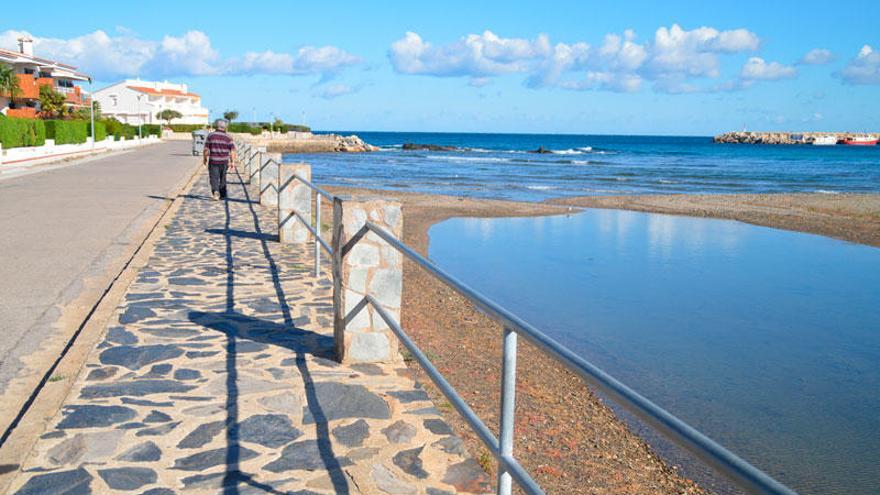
[{"x": 217, "y": 174}]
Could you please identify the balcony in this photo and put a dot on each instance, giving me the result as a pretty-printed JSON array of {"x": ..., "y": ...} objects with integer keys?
[{"x": 22, "y": 113}]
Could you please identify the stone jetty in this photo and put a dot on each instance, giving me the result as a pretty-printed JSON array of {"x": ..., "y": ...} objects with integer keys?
[
  {"x": 757, "y": 137},
  {"x": 307, "y": 142},
  {"x": 218, "y": 375}
]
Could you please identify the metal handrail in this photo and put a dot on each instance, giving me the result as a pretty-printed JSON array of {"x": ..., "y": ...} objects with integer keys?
[{"x": 726, "y": 462}]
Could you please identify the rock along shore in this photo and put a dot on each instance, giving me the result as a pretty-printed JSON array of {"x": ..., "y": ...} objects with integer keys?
[
  {"x": 757, "y": 137},
  {"x": 306, "y": 142}
]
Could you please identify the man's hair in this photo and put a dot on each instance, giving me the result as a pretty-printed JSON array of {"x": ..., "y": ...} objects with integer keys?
[{"x": 221, "y": 124}]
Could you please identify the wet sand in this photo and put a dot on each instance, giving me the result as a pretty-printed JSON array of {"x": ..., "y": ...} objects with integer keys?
[
  {"x": 851, "y": 217},
  {"x": 566, "y": 436}
]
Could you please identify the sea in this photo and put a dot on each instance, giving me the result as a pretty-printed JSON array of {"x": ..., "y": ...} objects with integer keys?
[
  {"x": 503, "y": 166},
  {"x": 766, "y": 340}
]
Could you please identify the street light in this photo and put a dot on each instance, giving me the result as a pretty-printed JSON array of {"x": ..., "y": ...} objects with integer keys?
[{"x": 140, "y": 118}]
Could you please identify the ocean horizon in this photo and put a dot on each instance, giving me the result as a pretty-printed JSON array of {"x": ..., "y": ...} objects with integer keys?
[{"x": 505, "y": 166}]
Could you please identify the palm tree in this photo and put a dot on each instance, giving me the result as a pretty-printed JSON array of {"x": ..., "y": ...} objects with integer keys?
[{"x": 9, "y": 82}]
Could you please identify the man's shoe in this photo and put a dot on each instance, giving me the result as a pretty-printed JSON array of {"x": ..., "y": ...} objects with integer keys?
[{"x": 216, "y": 196}]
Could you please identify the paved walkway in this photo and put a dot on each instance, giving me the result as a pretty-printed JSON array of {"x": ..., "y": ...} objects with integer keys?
[
  {"x": 217, "y": 378},
  {"x": 67, "y": 232}
]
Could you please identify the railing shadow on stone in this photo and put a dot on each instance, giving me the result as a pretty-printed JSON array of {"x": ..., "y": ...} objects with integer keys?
[
  {"x": 236, "y": 327},
  {"x": 367, "y": 266}
]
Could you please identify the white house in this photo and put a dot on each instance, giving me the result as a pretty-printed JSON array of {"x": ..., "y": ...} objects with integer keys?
[{"x": 137, "y": 102}]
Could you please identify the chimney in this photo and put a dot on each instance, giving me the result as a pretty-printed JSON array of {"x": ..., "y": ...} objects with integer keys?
[{"x": 26, "y": 46}]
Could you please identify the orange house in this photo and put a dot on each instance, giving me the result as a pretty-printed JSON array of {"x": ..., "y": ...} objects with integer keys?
[{"x": 35, "y": 72}]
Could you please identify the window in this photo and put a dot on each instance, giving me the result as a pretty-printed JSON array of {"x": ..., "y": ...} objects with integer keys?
[
  {"x": 114, "y": 100},
  {"x": 28, "y": 70},
  {"x": 45, "y": 74}
]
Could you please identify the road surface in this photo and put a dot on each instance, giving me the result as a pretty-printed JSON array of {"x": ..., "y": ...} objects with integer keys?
[{"x": 65, "y": 233}]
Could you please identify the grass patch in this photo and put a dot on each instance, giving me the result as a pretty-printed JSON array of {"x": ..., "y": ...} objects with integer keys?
[
  {"x": 485, "y": 461},
  {"x": 56, "y": 378}
]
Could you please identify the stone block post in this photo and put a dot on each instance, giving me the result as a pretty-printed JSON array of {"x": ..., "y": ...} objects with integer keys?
[
  {"x": 254, "y": 165},
  {"x": 370, "y": 267},
  {"x": 294, "y": 198},
  {"x": 267, "y": 178}
]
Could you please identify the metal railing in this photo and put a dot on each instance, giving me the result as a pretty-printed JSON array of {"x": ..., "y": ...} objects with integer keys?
[{"x": 743, "y": 474}]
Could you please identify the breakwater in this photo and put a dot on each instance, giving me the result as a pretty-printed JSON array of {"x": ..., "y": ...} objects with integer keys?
[
  {"x": 306, "y": 142},
  {"x": 758, "y": 137}
]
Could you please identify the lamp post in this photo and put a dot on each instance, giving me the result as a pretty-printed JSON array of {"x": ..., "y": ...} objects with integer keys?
[
  {"x": 92, "y": 112},
  {"x": 140, "y": 118}
]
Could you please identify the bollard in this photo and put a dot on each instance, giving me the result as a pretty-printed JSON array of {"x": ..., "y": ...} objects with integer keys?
[
  {"x": 370, "y": 267},
  {"x": 267, "y": 178},
  {"x": 294, "y": 203}
]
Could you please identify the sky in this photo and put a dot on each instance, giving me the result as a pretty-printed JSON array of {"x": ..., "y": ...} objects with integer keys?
[{"x": 579, "y": 67}]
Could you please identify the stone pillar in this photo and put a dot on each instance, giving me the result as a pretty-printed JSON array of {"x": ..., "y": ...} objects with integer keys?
[
  {"x": 254, "y": 168},
  {"x": 371, "y": 267},
  {"x": 294, "y": 197},
  {"x": 267, "y": 178}
]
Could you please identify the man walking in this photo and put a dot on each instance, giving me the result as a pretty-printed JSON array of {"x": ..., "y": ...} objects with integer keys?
[{"x": 219, "y": 156}]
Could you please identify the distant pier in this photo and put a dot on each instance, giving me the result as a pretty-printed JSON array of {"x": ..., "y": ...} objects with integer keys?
[{"x": 757, "y": 137}]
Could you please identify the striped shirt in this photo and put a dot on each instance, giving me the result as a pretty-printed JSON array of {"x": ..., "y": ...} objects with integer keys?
[{"x": 219, "y": 146}]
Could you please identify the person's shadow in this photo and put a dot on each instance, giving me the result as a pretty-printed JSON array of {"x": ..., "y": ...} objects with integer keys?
[{"x": 237, "y": 326}]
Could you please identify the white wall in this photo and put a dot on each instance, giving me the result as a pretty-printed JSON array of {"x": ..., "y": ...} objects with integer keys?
[{"x": 127, "y": 109}]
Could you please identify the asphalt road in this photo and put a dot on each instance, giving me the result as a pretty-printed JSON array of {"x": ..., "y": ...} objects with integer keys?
[{"x": 65, "y": 231}]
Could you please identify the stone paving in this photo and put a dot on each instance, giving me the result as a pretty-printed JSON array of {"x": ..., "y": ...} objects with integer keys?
[{"x": 218, "y": 377}]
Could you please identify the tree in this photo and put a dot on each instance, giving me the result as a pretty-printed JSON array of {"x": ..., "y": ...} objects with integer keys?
[
  {"x": 51, "y": 101},
  {"x": 278, "y": 125},
  {"x": 9, "y": 82},
  {"x": 168, "y": 115},
  {"x": 230, "y": 115}
]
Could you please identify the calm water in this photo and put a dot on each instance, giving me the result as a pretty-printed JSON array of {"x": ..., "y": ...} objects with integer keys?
[
  {"x": 768, "y": 341},
  {"x": 499, "y": 166}
]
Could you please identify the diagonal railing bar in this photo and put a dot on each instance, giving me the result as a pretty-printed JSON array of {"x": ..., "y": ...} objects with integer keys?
[{"x": 746, "y": 476}]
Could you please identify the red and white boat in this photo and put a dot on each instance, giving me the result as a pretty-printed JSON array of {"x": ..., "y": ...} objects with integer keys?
[{"x": 861, "y": 141}]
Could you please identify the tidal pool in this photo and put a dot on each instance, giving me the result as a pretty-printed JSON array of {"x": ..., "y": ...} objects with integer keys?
[{"x": 766, "y": 340}]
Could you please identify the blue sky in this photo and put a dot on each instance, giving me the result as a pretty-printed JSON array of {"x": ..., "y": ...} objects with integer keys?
[{"x": 569, "y": 67}]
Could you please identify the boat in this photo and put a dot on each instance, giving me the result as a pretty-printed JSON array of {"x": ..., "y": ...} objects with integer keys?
[
  {"x": 825, "y": 140},
  {"x": 861, "y": 140}
]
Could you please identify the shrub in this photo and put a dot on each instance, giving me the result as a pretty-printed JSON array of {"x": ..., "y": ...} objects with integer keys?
[
  {"x": 187, "y": 128},
  {"x": 245, "y": 128},
  {"x": 100, "y": 131},
  {"x": 151, "y": 130},
  {"x": 67, "y": 131},
  {"x": 16, "y": 133}
]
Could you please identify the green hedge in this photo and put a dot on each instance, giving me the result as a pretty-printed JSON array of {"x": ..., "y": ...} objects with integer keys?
[
  {"x": 67, "y": 131},
  {"x": 16, "y": 133},
  {"x": 245, "y": 128},
  {"x": 119, "y": 130},
  {"x": 186, "y": 127},
  {"x": 100, "y": 131},
  {"x": 152, "y": 130}
]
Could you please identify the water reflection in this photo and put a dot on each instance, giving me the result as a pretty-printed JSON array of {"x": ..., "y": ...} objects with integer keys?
[{"x": 767, "y": 340}]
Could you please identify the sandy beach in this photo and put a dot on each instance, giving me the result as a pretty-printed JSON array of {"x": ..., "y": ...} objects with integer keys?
[{"x": 567, "y": 437}]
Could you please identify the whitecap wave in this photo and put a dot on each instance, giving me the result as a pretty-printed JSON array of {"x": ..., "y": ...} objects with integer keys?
[
  {"x": 825, "y": 191},
  {"x": 541, "y": 188},
  {"x": 468, "y": 159}
]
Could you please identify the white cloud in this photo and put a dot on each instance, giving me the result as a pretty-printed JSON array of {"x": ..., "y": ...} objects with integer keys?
[
  {"x": 817, "y": 56},
  {"x": 619, "y": 63},
  {"x": 475, "y": 55},
  {"x": 757, "y": 69},
  {"x": 864, "y": 69},
  {"x": 107, "y": 57},
  {"x": 331, "y": 91}
]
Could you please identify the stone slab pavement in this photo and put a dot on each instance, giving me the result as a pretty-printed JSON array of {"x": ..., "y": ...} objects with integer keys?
[
  {"x": 216, "y": 376},
  {"x": 66, "y": 232}
]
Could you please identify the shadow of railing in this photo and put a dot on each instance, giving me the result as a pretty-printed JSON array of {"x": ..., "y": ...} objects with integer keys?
[{"x": 238, "y": 326}]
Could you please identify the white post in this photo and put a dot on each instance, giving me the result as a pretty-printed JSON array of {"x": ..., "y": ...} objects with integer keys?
[
  {"x": 268, "y": 179},
  {"x": 92, "y": 111}
]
